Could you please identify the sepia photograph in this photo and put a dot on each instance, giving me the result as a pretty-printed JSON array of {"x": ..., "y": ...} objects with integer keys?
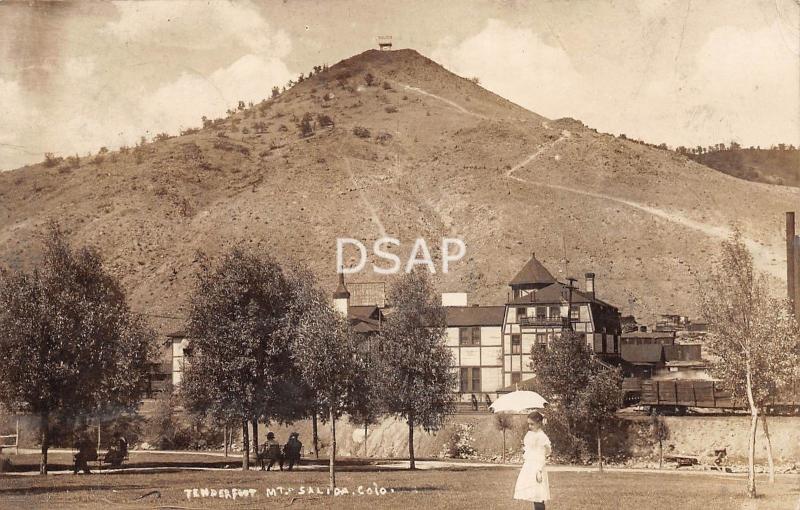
[{"x": 409, "y": 254}]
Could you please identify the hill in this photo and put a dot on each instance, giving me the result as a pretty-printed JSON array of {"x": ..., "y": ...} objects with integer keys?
[
  {"x": 771, "y": 166},
  {"x": 415, "y": 153}
]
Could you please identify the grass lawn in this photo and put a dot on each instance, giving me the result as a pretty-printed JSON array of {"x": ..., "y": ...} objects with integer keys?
[{"x": 458, "y": 487}]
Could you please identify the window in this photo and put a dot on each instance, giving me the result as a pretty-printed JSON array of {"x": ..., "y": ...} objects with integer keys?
[
  {"x": 541, "y": 339},
  {"x": 575, "y": 312},
  {"x": 616, "y": 343},
  {"x": 516, "y": 377},
  {"x": 555, "y": 311},
  {"x": 541, "y": 312},
  {"x": 521, "y": 312},
  {"x": 516, "y": 344},
  {"x": 470, "y": 380},
  {"x": 605, "y": 346},
  {"x": 469, "y": 336}
]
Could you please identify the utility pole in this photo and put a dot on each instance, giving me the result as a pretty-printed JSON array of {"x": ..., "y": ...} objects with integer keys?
[{"x": 570, "y": 287}]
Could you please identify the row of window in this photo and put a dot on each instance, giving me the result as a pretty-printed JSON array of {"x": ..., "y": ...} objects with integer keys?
[
  {"x": 471, "y": 379},
  {"x": 541, "y": 312}
]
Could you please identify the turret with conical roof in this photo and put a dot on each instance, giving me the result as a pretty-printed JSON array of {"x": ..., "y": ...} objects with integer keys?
[{"x": 533, "y": 275}]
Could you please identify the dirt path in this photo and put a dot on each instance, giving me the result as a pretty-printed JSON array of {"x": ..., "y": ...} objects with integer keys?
[
  {"x": 444, "y": 100},
  {"x": 762, "y": 255},
  {"x": 363, "y": 197}
]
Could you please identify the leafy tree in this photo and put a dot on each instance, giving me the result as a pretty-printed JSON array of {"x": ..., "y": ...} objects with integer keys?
[
  {"x": 416, "y": 382},
  {"x": 753, "y": 337},
  {"x": 72, "y": 348},
  {"x": 599, "y": 400},
  {"x": 275, "y": 92},
  {"x": 240, "y": 366},
  {"x": 306, "y": 126},
  {"x": 324, "y": 349},
  {"x": 585, "y": 391}
]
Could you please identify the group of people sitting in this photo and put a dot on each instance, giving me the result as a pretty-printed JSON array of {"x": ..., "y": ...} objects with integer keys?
[
  {"x": 474, "y": 401},
  {"x": 87, "y": 452},
  {"x": 271, "y": 452}
]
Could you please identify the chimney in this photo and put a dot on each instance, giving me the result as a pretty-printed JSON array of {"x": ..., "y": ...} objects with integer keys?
[
  {"x": 590, "y": 284},
  {"x": 791, "y": 282},
  {"x": 341, "y": 298}
]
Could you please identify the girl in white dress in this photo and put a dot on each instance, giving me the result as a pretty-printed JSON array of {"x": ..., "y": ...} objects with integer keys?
[{"x": 532, "y": 482}]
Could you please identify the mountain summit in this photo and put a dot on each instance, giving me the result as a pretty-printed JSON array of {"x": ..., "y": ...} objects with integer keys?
[{"x": 392, "y": 144}]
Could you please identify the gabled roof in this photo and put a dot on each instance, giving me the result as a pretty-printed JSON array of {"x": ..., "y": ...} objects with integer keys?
[
  {"x": 457, "y": 316},
  {"x": 555, "y": 293},
  {"x": 532, "y": 273}
]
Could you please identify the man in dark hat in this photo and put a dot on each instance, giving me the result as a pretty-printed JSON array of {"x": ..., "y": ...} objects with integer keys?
[
  {"x": 271, "y": 453},
  {"x": 292, "y": 450}
]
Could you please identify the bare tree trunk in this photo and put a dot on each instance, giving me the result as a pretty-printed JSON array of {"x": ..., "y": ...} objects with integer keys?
[
  {"x": 660, "y": 453},
  {"x": 314, "y": 434},
  {"x": 255, "y": 438},
  {"x": 411, "y": 462},
  {"x": 245, "y": 446},
  {"x": 751, "y": 450},
  {"x": 366, "y": 431},
  {"x": 504, "y": 445},
  {"x": 599, "y": 447},
  {"x": 225, "y": 438},
  {"x": 44, "y": 424},
  {"x": 770, "y": 462},
  {"x": 332, "y": 454}
]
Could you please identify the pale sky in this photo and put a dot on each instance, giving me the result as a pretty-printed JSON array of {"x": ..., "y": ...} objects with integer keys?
[{"x": 78, "y": 76}]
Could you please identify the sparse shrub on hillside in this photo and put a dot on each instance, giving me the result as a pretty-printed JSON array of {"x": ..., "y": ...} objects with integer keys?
[
  {"x": 74, "y": 161},
  {"x": 230, "y": 112},
  {"x": 475, "y": 80},
  {"x": 190, "y": 131},
  {"x": 306, "y": 127},
  {"x": 207, "y": 123},
  {"x": 124, "y": 149},
  {"x": 222, "y": 134},
  {"x": 245, "y": 131},
  {"x": 369, "y": 79},
  {"x": 329, "y": 96},
  {"x": 260, "y": 126},
  {"x": 283, "y": 128},
  {"x": 383, "y": 137},
  {"x": 50, "y": 160},
  {"x": 103, "y": 150},
  {"x": 225, "y": 145},
  {"x": 391, "y": 109},
  {"x": 138, "y": 155},
  {"x": 361, "y": 132},
  {"x": 325, "y": 120},
  {"x": 387, "y": 85},
  {"x": 248, "y": 114},
  {"x": 162, "y": 137},
  {"x": 241, "y": 105},
  {"x": 300, "y": 78},
  {"x": 98, "y": 160},
  {"x": 275, "y": 92},
  {"x": 142, "y": 140},
  {"x": 342, "y": 78}
]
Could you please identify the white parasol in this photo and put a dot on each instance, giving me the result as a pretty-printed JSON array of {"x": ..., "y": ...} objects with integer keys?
[{"x": 518, "y": 402}]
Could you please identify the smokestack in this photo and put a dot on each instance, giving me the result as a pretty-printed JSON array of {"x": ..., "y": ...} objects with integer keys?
[
  {"x": 590, "y": 284},
  {"x": 790, "y": 261}
]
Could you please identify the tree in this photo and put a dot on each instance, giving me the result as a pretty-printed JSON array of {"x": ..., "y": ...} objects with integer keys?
[
  {"x": 306, "y": 126},
  {"x": 416, "y": 381},
  {"x": 583, "y": 390},
  {"x": 369, "y": 79},
  {"x": 752, "y": 336},
  {"x": 366, "y": 406},
  {"x": 240, "y": 366},
  {"x": 275, "y": 92},
  {"x": 324, "y": 349},
  {"x": 503, "y": 422},
  {"x": 563, "y": 369},
  {"x": 72, "y": 348},
  {"x": 599, "y": 400},
  {"x": 660, "y": 431}
]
